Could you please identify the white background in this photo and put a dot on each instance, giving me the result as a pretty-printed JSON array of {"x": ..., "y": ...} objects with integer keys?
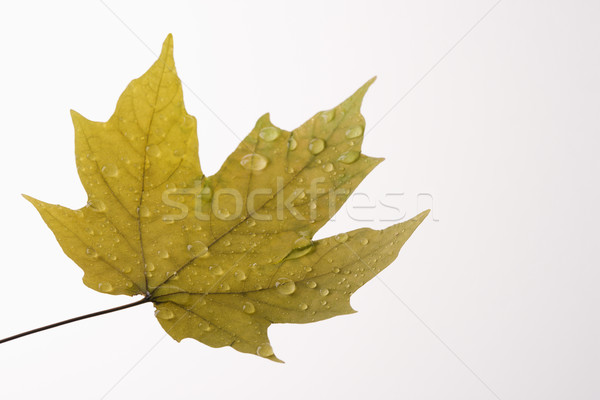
[{"x": 497, "y": 299}]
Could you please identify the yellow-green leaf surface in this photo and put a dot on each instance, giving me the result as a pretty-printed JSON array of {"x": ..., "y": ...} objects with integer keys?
[{"x": 225, "y": 256}]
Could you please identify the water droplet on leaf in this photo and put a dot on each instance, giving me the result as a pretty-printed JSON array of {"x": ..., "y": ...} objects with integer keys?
[
  {"x": 248, "y": 308},
  {"x": 285, "y": 286},
  {"x": 316, "y": 146},
  {"x": 91, "y": 253},
  {"x": 164, "y": 313},
  {"x": 354, "y": 132},
  {"x": 341, "y": 238},
  {"x": 264, "y": 350},
  {"x": 105, "y": 287},
  {"x": 349, "y": 156},
  {"x": 110, "y": 170},
  {"x": 269, "y": 133},
  {"x": 254, "y": 162}
]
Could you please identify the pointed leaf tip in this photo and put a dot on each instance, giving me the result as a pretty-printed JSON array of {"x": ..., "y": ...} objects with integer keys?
[
  {"x": 422, "y": 215},
  {"x": 357, "y": 97},
  {"x": 167, "y": 48}
]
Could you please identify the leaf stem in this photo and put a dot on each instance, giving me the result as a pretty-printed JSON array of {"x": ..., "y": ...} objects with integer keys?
[{"x": 81, "y": 317}]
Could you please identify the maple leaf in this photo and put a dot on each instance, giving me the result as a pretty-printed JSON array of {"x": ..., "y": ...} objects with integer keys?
[{"x": 221, "y": 257}]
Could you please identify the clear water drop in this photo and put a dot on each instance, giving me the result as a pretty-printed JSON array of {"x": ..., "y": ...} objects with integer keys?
[
  {"x": 240, "y": 275},
  {"x": 249, "y": 308},
  {"x": 311, "y": 284},
  {"x": 97, "y": 205},
  {"x": 269, "y": 134},
  {"x": 316, "y": 146},
  {"x": 328, "y": 167},
  {"x": 354, "y": 132},
  {"x": 302, "y": 242},
  {"x": 303, "y": 306},
  {"x": 110, "y": 170},
  {"x": 364, "y": 241},
  {"x": 105, "y": 287},
  {"x": 292, "y": 144},
  {"x": 153, "y": 150},
  {"x": 324, "y": 292},
  {"x": 265, "y": 350},
  {"x": 341, "y": 238},
  {"x": 349, "y": 156},
  {"x": 91, "y": 253},
  {"x": 216, "y": 270},
  {"x": 254, "y": 162},
  {"x": 164, "y": 313},
  {"x": 197, "y": 248},
  {"x": 328, "y": 115},
  {"x": 144, "y": 211},
  {"x": 285, "y": 286},
  {"x": 163, "y": 254}
]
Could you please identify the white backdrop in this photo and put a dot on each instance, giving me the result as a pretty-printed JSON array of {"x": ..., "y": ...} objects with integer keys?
[{"x": 486, "y": 112}]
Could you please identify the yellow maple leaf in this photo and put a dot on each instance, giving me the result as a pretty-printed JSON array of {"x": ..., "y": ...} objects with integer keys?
[{"x": 225, "y": 256}]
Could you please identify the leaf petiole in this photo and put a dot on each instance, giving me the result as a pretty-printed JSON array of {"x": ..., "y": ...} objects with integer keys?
[{"x": 79, "y": 318}]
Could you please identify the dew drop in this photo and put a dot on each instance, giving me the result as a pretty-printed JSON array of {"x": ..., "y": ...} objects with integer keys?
[
  {"x": 197, "y": 248},
  {"x": 240, "y": 275},
  {"x": 354, "y": 132},
  {"x": 302, "y": 242},
  {"x": 254, "y": 162},
  {"x": 336, "y": 270},
  {"x": 328, "y": 167},
  {"x": 349, "y": 156},
  {"x": 302, "y": 306},
  {"x": 205, "y": 326},
  {"x": 328, "y": 115},
  {"x": 311, "y": 284},
  {"x": 150, "y": 267},
  {"x": 163, "y": 254},
  {"x": 316, "y": 146},
  {"x": 164, "y": 313},
  {"x": 206, "y": 193},
  {"x": 264, "y": 350},
  {"x": 112, "y": 257},
  {"x": 110, "y": 170},
  {"x": 269, "y": 133},
  {"x": 285, "y": 286},
  {"x": 144, "y": 212},
  {"x": 91, "y": 253},
  {"x": 97, "y": 205},
  {"x": 248, "y": 308},
  {"x": 153, "y": 150},
  {"x": 127, "y": 269},
  {"x": 223, "y": 213},
  {"x": 216, "y": 270},
  {"x": 105, "y": 287},
  {"x": 128, "y": 284},
  {"x": 341, "y": 238},
  {"x": 324, "y": 292},
  {"x": 292, "y": 144}
]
